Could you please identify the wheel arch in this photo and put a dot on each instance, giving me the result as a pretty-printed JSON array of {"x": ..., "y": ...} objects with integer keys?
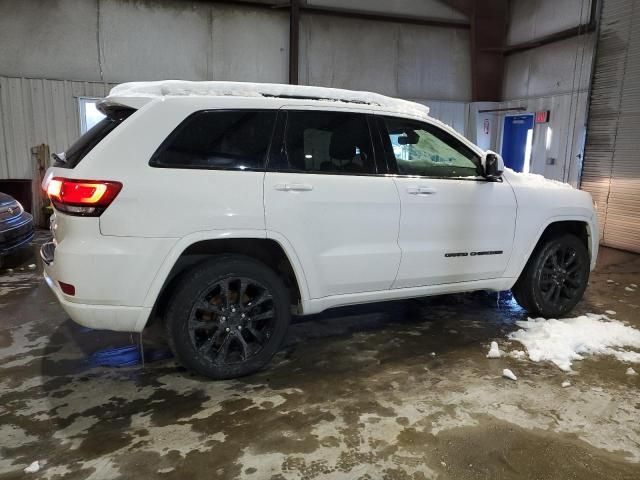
[
  {"x": 190, "y": 251},
  {"x": 580, "y": 227}
]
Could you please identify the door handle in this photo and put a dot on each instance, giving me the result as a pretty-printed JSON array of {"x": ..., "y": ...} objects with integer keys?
[
  {"x": 421, "y": 190},
  {"x": 296, "y": 187}
]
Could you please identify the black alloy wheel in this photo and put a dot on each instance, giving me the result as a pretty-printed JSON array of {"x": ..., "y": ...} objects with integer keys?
[
  {"x": 555, "y": 277},
  {"x": 232, "y": 320},
  {"x": 228, "y": 316}
]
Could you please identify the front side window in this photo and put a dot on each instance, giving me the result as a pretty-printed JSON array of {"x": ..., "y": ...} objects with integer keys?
[
  {"x": 426, "y": 150},
  {"x": 327, "y": 142},
  {"x": 218, "y": 139}
]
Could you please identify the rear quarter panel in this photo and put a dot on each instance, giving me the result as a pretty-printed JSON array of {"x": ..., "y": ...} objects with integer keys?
[{"x": 168, "y": 202}]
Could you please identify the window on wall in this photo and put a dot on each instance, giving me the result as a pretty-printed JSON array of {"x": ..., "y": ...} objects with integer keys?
[{"x": 89, "y": 114}]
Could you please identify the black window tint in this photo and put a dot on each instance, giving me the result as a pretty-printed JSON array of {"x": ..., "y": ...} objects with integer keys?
[
  {"x": 236, "y": 139},
  {"x": 81, "y": 147},
  {"x": 426, "y": 150},
  {"x": 328, "y": 142}
]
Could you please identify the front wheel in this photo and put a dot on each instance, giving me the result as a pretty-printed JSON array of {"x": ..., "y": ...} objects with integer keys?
[
  {"x": 554, "y": 278},
  {"x": 228, "y": 317}
]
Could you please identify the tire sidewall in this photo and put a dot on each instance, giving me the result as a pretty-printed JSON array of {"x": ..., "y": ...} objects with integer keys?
[
  {"x": 202, "y": 277},
  {"x": 545, "y": 308}
]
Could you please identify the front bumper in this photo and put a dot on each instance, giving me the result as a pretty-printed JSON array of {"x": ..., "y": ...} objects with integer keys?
[{"x": 101, "y": 317}]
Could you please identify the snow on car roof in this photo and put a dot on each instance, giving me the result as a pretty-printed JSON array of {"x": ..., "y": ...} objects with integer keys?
[{"x": 166, "y": 88}]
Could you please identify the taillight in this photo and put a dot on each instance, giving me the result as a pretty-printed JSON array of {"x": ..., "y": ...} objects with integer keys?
[{"x": 88, "y": 198}]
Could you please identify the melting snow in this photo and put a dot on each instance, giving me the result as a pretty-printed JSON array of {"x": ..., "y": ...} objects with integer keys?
[
  {"x": 33, "y": 468},
  {"x": 494, "y": 351},
  {"x": 246, "y": 89},
  {"x": 506, "y": 373},
  {"x": 610, "y": 312},
  {"x": 534, "y": 179},
  {"x": 631, "y": 371},
  {"x": 566, "y": 340},
  {"x": 518, "y": 354},
  {"x": 566, "y": 384},
  {"x": 629, "y": 289}
]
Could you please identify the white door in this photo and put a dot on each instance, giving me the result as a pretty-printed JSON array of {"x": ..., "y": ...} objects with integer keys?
[
  {"x": 323, "y": 194},
  {"x": 455, "y": 226}
]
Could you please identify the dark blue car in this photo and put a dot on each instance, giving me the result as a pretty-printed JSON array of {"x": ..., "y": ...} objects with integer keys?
[{"x": 16, "y": 225}]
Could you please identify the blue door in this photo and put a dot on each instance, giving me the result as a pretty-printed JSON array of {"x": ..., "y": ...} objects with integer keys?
[{"x": 514, "y": 140}]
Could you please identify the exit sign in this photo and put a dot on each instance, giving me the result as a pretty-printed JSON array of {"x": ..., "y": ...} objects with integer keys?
[{"x": 542, "y": 117}]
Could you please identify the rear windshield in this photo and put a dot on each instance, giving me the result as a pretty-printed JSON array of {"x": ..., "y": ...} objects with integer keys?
[{"x": 81, "y": 147}]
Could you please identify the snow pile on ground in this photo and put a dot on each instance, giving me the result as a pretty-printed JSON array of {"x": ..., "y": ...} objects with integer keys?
[
  {"x": 246, "y": 89},
  {"x": 631, "y": 371},
  {"x": 33, "y": 467},
  {"x": 563, "y": 341},
  {"x": 506, "y": 373},
  {"x": 494, "y": 351}
]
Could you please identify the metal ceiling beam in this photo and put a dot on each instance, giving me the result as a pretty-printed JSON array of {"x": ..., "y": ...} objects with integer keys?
[
  {"x": 303, "y": 7},
  {"x": 488, "y": 31},
  {"x": 294, "y": 41},
  {"x": 383, "y": 17}
]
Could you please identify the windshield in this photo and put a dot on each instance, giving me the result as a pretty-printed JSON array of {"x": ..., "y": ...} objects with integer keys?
[{"x": 81, "y": 147}]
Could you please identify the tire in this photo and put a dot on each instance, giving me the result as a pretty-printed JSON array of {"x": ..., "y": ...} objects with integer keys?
[
  {"x": 555, "y": 277},
  {"x": 228, "y": 317}
]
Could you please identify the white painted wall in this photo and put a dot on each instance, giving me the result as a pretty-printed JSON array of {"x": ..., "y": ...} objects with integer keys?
[
  {"x": 116, "y": 41},
  {"x": 407, "y": 61},
  {"x": 557, "y": 68},
  {"x": 557, "y": 145},
  {"x": 533, "y": 19},
  {"x": 554, "y": 77}
]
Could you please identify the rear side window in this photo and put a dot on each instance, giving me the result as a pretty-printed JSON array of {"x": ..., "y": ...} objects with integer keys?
[
  {"x": 327, "y": 142},
  {"x": 92, "y": 137},
  {"x": 218, "y": 139}
]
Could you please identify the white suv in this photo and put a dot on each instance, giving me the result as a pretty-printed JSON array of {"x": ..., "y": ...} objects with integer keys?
[{"x": 222, "y": 208}]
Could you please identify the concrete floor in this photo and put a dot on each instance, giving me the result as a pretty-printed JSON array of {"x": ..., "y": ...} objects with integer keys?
[{"x": 400, "y": 390}]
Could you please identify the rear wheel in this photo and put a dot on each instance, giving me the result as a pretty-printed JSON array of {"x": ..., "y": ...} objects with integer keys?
[
  {"x": 554, "y": 278},
  {"x": 228, "y": 317}
]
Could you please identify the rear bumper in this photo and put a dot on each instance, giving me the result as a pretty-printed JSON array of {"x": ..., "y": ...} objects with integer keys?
[
  {"x": 111, "y": 276},
  {"x": 16, "y": 236},
  {"x": 101, "y": 317}
]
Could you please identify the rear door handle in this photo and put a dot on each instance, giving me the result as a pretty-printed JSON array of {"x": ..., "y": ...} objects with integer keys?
[
  {"x": 421, "y": 190},
  {"x": 297, "y": 187}
]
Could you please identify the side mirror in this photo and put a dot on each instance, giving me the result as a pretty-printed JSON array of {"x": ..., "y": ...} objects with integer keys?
[{"x": 493, "y": 165}]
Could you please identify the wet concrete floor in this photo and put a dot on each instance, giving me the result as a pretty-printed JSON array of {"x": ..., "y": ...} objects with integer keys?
[{"x": 399, "y": 390}]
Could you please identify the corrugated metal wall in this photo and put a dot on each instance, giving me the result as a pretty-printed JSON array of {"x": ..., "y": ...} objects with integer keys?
[
  {"x": 37, "y": 111},
  {"x": 612, "y": 154}
]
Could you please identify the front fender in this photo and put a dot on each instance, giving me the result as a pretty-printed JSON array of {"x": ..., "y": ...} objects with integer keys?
[{"x": 527, "y": 238}]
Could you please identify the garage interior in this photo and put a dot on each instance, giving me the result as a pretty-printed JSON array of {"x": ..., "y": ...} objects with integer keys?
[{"x": 395, "y": 390}]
